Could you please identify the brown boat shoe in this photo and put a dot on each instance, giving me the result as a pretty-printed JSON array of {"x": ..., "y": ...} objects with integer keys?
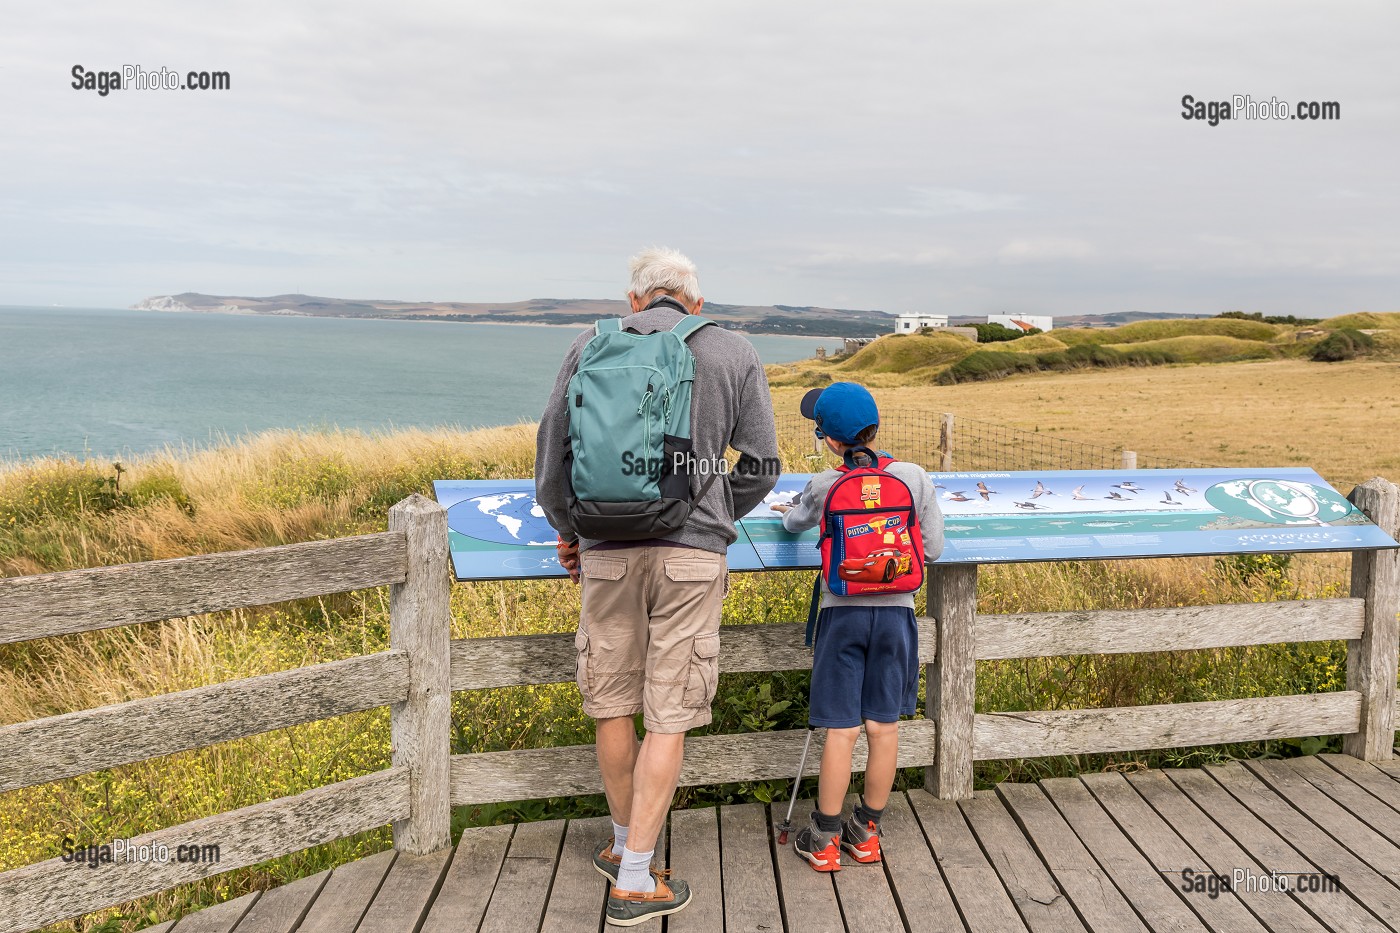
[
  {"x": 607, "y": 864},
  {"x": 628, "y": 908}
]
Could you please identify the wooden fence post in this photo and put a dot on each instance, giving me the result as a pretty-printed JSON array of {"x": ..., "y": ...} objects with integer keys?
[
  {"x": 945, "y": 442},
  {"x": 952, "y": 679},
  {"x": 1371, "y": 660},
  {"x": 1130, "y": 460},
  {"x": 420, "y": 620}
]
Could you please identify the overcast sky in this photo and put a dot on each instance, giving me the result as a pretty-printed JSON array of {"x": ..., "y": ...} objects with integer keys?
[{"x": 945, "y": 157}]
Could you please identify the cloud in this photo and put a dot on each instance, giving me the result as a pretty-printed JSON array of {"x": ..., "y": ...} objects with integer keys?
[
  {"x": 942, "y": 202},
  {"x": 1045, "y": 249}
]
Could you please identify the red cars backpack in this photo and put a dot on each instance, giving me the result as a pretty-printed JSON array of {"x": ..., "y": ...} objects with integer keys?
[{"x": 870, "y": 539}]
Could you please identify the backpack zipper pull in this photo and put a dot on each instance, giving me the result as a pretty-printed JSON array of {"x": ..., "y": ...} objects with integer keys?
[
  {"x": 666, "y": 405},
  {"x": 646, "y": 397}
]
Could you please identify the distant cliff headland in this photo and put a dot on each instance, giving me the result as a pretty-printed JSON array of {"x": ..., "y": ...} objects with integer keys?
[{"x": 754, "y": 319}]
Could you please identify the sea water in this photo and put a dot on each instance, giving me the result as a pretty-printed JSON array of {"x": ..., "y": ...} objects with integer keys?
[{"x": 105, "y": 382}]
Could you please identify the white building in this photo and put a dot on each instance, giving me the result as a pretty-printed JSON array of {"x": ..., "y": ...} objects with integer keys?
[
  {"x": 909, "y": 323},
  {"x": 1022, "y": 321}
]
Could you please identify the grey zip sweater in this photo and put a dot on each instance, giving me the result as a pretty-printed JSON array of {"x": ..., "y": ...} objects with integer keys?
[
  {"x": 730, "y": 407},
  {"x": 807, "y": 513}
]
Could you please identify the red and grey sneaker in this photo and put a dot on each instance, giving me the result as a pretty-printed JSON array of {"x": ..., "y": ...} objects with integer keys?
[
  {"x": 861, "y": 841},
  {"x": 808, "y": 844}
]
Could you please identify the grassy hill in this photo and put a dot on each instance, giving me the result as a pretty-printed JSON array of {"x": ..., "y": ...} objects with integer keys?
[{"x": 946, "y": 359}]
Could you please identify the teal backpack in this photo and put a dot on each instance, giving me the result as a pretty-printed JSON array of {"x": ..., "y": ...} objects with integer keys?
[{"x": 629, "y": 432}]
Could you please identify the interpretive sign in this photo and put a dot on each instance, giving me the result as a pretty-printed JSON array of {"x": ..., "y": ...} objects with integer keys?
[{"x": 496, "y": 531}]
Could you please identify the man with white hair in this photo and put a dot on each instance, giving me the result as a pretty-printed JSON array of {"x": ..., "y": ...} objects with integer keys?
[{"x": 648, "y": 636}]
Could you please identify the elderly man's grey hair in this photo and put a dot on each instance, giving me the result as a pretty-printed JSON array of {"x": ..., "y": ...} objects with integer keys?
[{"x": 668, "y": 270}]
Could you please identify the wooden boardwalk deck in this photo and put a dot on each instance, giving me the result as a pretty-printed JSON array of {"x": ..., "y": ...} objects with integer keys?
[{"x": 1104, "y": 852}]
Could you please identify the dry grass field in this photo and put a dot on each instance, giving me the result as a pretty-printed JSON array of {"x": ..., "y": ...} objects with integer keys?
[{"x": 1342, "y": 419}]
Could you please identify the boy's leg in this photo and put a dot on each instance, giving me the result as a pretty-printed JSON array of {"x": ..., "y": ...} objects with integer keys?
[
  {"x": 883, "y": 741},
  {"x": 835, "y": 779}
]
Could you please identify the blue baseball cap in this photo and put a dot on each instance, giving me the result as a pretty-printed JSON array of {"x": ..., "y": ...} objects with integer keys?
[{"x": 841, "y": 410}]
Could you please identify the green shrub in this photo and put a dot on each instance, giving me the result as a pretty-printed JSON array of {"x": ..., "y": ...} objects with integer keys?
[
  {"x": 157, "y": 486},
  {"x": 1344, "y": 344},
  {"x": 995, "y": 333},
  {"x": 983, "y": 365}
]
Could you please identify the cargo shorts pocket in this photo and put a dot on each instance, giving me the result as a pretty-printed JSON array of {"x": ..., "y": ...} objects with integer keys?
[
  {"x": 599, "y": 567},
  {"x": 583, "y": 675},
  {"x": 692, "y": 569},
  {"x": 702, "y": 676}
]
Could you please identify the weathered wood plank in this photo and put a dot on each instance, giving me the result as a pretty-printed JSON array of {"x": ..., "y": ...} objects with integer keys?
[
  {"x": 420, "y": 620},
  {"x": 1371, "y": 656},
  {"x": 57, "y": 747},
  {"x": 1269, "y": 849},
  {"x": 165, "y": 927},
  {"x": 918, "y": 885},
  {"x": 1120, "y": 631},
  {"x": 746, "y": 862},
  {"x": 517, "y": 660},
  {"x": 281, "y": 910},
  {"x": 980, "y": 896},
  {"x": 808, "y": 897},
  {"x": 406, "y": 893},
  {"x": 347, "y": 895},
  {"x": 1346, "y": 828},
  {"x": 1367, "y": 775},
  {"x": 470, "y": 879},
  {"x": 534, "y": 773},
  {"x": 1391, "y": 767},
  {"x": 1164, "y": 853},
  {"x": 579, "y": 892},
  {"x": 85, "y": 600},
  {"x": 1363, "y": 805},
  {"x": 952, "y": 679},
  {"x": 1095, "y": 898},
  {"x": 867, "y": 904},
  {"x": 695, "y": 858},
  {"x": 1172, "y": 725},
  {"x": 221, "y": 918},
  {"x": 522, "y": 887},
  {"x": 49, "y": 891},
  {"x": 1155, "y": 898},
  {"x": 1217, "y": 853},
  {"x": 1038, "y": 899},
  {"x": 1371, "y": 889}
]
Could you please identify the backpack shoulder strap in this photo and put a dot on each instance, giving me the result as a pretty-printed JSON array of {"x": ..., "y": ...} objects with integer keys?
[
  {"x": 608, "y": 325},
  {"x": 689, "y": 325}
]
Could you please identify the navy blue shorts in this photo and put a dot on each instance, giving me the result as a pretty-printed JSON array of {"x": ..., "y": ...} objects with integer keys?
[{"x": 865, "y": 665}]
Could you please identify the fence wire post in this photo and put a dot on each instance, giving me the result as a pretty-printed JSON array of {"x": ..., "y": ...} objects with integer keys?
[
  {"x": 1129, "y": 460},
  {"x": 945, "y": 442}
]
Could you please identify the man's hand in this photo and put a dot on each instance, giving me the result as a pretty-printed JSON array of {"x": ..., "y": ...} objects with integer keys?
[{"x": 568, "y": 558}]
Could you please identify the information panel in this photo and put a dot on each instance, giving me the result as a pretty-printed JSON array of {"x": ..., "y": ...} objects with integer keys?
[{"x": 496, "y": 530}]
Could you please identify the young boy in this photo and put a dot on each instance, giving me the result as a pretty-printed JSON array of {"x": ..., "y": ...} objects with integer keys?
[{"x": 865, "y": 666}]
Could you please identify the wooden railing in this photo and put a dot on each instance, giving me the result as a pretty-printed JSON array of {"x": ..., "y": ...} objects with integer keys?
[{"x": 422, "y": 668}]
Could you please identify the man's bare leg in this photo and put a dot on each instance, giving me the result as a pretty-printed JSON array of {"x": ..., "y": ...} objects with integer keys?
[
  {"x": 617, "y": 760},
  {"x": 654, "y": 780}
]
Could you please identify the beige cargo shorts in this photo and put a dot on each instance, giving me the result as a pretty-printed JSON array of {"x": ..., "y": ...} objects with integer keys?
[{"x": 648, "y": 635}]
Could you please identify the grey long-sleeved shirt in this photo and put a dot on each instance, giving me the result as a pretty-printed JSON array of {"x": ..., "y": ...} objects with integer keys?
[
  {"x": 807, "y": 513},
  {"x": 730, "y": 407}
]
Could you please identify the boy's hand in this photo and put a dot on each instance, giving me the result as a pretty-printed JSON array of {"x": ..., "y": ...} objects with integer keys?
[{"x": 781, "y": 506}]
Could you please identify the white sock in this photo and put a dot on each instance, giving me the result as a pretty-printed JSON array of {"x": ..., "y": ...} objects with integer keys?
[
  {"x": 619, "y": 839},
  {"x": 635, "y": 874}
]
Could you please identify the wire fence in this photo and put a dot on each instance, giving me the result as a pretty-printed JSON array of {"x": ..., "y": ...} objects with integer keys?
[{"x": 944, "y": 441}]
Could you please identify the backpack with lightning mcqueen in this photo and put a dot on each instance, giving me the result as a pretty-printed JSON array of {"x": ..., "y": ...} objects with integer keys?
[{"x": 870, "y": 540}]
